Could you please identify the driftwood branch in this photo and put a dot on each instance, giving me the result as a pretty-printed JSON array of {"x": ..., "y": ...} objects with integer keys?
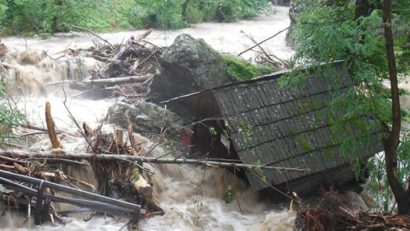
[
  {"x": 118, "y": 80},
  {"x": 143, "y": 36},
  {"x": 259, "y": 43},
  {"x": 12, "y": 160},
  {"x": 7, "y": 167},
  {"x": 74, "y": 120},
  {"x": 86, "y": 84},
  {"x": 95, "y": 34},
  {"x": 120, "y": 55},
  {"x": 131, "y": 136},
  {"x": 104, "y": 59},
  {"x": 45, "y": 130},
  {"x": 250, "y": 37},
  {"x": 153, "y": 160},
  {"x": 50, "y": 127}
]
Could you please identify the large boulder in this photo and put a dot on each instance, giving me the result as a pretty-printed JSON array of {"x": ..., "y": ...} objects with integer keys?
[
  {"x": 145, "y": 117},
  {"x": 188, "y": 65}
]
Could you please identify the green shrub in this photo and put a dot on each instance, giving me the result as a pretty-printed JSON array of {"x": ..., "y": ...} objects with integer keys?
[
  {"x": 208, "y": 9},
  {"x": 162, "y": 13},
  {"x": 9, "y": 115},
  {"x": 228, "y": 10},
  {"x": 45, "y": 16},
  {"x": 193, "y": 12},
  {"x": 252, "y": 8},
  {"x": 132, "y": 14}
]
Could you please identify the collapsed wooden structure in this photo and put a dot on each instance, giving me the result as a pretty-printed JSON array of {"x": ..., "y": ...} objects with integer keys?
[
  {"x": 260, "y": 123},
  {"x": 82, "y": 198}
]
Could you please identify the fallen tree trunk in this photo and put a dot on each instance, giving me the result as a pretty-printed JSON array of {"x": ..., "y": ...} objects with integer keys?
[
  {"x": 153, "y": 160},
  {"x": 118, "y": 80}
]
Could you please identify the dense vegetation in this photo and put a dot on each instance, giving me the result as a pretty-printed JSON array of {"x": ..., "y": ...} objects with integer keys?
[
  {"x": 9, "y": 115},
  {"x": 50, "y": 16},
  {"x": 359, "y": 32}
]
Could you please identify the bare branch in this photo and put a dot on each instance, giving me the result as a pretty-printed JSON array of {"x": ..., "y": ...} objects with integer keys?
[{"x": 153, "y": 160}]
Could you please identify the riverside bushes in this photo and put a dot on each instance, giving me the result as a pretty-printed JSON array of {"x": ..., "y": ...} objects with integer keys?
[
  {"x": 10, "y": 116},
  {"x": 50, "y": 16}
]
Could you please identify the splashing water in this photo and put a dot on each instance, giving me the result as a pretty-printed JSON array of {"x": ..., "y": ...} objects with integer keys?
[
  {"x": 192, "y": 197},
  {"x": 193, "y": 200},
  {"x": 31, "y": 70}
]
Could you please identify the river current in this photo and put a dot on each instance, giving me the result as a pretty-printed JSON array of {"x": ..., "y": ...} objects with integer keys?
[{"x": 191, "y": 197}]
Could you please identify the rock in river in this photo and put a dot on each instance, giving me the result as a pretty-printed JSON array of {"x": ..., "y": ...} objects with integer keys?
[
  {"x": 145, "y": 117},
  {"x": 188, "y": 65}
]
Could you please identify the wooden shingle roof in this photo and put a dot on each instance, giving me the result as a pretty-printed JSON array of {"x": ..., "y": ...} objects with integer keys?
[{"x": 287, "y": 127}]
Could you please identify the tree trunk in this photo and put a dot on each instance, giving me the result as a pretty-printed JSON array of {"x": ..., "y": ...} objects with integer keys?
[
  {"x": 391, "y": 142},
  {"x": 58, "y": 4},
  {"x": 362, "y": 8}
]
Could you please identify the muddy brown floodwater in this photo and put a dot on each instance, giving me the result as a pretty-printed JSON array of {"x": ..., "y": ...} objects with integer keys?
[{"x": 191, "y": 197}]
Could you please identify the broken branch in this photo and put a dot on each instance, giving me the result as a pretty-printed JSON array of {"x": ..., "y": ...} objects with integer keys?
[
  {"x": 95, "y": 34},
  {"x": 259, "y": 43},
  {"x": 50, "y": 127},
  {"x": 153, "y": 160}
]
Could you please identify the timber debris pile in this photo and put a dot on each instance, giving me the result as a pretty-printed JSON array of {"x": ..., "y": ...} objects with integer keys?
[
  {"x": 333, "y": 213},
  {"x": 126, "y": 69},
  {"x": 121, "y": 188},
  {"x": 128, "y": 182}
]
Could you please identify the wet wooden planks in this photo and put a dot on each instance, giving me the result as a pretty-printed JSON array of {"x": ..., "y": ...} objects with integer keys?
[{"x": 286, "y": 127}]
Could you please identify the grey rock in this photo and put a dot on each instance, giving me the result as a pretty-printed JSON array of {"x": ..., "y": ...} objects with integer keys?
[
  {"x": 145, "y": 117},
  {"x": 355, "y": 202},
  {"x": 348, "y": 199},
  {"x": 188, "y": 65}
]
